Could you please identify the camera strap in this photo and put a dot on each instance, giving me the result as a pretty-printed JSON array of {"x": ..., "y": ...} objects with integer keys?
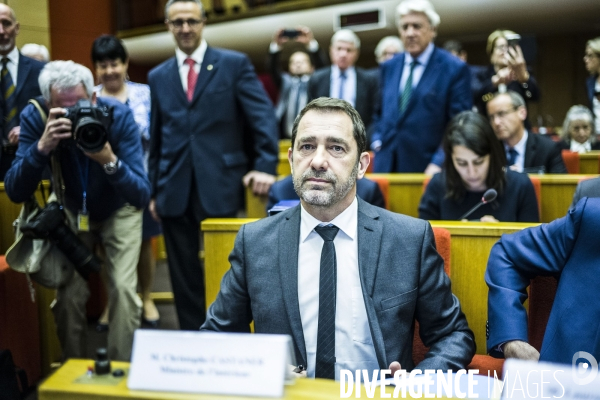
[
  {"x": 83, "y": 218},
  {"x": 59, "y": 187}
]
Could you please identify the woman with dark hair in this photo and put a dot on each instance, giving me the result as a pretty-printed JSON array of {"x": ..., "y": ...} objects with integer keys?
[
  {"x": 474, "y": 163},
  {"x": 110, "y": 62}
]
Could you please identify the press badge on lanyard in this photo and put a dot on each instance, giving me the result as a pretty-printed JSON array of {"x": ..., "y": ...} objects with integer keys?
[{"x": 83, "y": 218}]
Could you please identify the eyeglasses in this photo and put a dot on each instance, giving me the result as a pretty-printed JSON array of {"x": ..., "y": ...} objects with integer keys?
[
  {"x": 179, "y": 23},
  {"x": 501, "y": 114}
]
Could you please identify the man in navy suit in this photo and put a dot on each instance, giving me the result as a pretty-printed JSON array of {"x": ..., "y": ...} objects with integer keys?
[
  {"x": 566, "y": 249},
  {"x": 22, "y": 75},
  {"x": 212, "y": 128},
  {"x": 525, "y": 151},
  {"x": 421, "y": 90}
]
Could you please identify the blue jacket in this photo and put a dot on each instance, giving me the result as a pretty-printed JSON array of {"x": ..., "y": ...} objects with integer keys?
[
  {"x": 566, "y": 248},
  {"x": 105, "y": 193},
  {"x": 410, "y": 141}
]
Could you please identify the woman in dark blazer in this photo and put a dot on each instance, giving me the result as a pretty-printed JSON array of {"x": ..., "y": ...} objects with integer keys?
[
  {"x": 474, "y": 163},
  {"x": 578, "y": 133},
  {"x": 592, "y": 64}
]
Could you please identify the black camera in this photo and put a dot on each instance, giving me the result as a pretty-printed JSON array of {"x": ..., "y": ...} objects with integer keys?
[
  {"x": 90, "y": 124},
  {"x": 49, "y": 223}
]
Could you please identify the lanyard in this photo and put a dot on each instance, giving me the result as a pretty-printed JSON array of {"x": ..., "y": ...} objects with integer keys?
[{"x": 84, "y": 179}]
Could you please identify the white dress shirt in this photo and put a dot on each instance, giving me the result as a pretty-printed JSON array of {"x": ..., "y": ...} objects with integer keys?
[
  {"x": 353, "y": 343},
  {"x": 520, "y": 148},
  {"x": 197, "y": 56},
  {"x": 581, "y": 147},
  {"x": 13, "y": 64},
  {"x": 349, "y": 85},
  {"x": 418, "y": 70}
]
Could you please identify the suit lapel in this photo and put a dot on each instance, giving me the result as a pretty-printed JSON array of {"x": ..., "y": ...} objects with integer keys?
[
  {"x": 289, "y": 237},
  {"x": 369, "y": 242},
  {"x": 173, "y": 79},
  {"x": 360, "y": 92},
  {"x": 208, "y": 69},
  {"x": 529, "y": 151},
  {"x": 430, "y": 75},
  {"x": 22, "y": 73}
]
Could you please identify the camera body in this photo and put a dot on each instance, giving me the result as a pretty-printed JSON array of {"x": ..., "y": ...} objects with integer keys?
[
  {"x": 290, "y": 33},
  {"x": 90, "y": 124}
]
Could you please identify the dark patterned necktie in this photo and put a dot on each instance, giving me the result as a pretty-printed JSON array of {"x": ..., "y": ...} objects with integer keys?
[
  {"x": 8, "y": 95},
  {"x": 512, "y": 157},
  {"x": 325, "y": 360},
  {"x": 405, "y": 97}
]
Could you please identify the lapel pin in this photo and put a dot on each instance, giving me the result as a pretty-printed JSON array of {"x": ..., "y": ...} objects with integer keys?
[{"x": 209, "y": 67}]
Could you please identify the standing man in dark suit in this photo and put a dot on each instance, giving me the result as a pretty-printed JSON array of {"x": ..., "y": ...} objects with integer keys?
[
  {"x": 342, "y": 80},
  {"x": 293, "y": 85},
  {"x": 377, "y": 271},
  {"x": 212, "y": 128},
  {"x": 525, "y": 152},
  {"x": 18, "y": 84},
  {"x": 421, "y": 90}
]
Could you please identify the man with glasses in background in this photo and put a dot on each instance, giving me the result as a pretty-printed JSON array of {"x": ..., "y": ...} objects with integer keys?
[
  {"x": 212, "y": 128},
  {"x": 525, "y": 151}
]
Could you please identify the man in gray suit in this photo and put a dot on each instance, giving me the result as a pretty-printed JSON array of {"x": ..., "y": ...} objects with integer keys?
[
  {"x": 586, "y": 188},
  {"x": 344, "y": 279}
]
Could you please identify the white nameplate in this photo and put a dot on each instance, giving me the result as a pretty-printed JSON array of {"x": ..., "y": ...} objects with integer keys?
[
  {"x": 208, "y": 362},
  {"x": 543, "y": 380}
]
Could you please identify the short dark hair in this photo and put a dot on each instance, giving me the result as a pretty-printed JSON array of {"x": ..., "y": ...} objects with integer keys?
[
  {"x": 329, "y": 105},
  {"x": 473, "y": 131},
  {"x": 108, "y": 47}
]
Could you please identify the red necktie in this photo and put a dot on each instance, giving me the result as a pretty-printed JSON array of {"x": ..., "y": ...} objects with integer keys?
[{"x": 192, "y": 78}]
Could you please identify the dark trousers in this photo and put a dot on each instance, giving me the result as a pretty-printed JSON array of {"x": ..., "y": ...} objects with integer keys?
[
  {"x": 183, "y": 244},
  {"x": 6, "y": 160}
]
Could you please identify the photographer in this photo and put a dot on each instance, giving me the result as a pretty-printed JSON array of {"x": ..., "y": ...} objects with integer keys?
[{"x": 104, "y": 185}]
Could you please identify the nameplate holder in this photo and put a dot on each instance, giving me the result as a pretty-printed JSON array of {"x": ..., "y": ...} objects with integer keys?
[
  {"x": 209, "y": 362},
  {"x": 543, "y": 380}
]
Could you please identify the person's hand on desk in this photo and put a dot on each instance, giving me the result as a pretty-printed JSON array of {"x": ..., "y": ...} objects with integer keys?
[
  {"x": 261, "y": 182},
  {"x": 521, "y": 350},
  {"x": 488, "y": 218},
  {"x": 296, "y": 372}
]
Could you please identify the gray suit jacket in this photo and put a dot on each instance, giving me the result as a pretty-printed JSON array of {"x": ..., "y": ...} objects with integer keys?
[
  {"x": 587, "y": 188},
  {"x": 402, "y": 279}
]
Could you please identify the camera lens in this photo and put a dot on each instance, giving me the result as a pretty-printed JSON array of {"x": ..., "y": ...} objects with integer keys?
[{"x": 90, "y": 135}]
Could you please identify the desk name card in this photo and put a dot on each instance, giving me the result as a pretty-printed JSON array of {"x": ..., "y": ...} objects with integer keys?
[{"x": 208, "y": 362}]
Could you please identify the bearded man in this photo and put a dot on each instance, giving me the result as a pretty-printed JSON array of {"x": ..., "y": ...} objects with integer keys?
[{"x": 346, "y": 280}]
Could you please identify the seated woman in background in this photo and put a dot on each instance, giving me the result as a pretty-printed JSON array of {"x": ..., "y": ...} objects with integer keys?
[
  {"x": 474, "y": 163},
  {"x": 578, "y": 131}
]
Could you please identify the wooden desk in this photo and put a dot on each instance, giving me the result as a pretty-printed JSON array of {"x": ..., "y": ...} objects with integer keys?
[
  {"x": 589, "y": 163},
  {"x": 406, "y": 191},
  {"x": 61, "y": 386},
  {"x": 470, "y": 249}
]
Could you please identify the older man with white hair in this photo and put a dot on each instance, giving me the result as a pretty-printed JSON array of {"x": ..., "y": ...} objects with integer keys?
[
  {"x": 342, "y": 80},
  {"x": 104, "y": 185},
  {"x": 421, "y": 90}
]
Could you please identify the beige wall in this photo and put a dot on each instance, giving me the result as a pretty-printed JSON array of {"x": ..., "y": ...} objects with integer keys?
[{"x": 33, "y": 18}]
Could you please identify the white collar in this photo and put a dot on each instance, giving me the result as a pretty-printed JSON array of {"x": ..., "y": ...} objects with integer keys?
[
  {"x": 347, "y": 221},
  {"x": 520, "y": 146},
  {"x": 197, "y": 55},
  {"x": 13, "y": 56},
  {"x": 422, "y": 58}
]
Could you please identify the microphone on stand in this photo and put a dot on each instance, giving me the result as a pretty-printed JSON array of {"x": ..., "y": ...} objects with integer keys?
[{"x": 488, "y": 197}]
